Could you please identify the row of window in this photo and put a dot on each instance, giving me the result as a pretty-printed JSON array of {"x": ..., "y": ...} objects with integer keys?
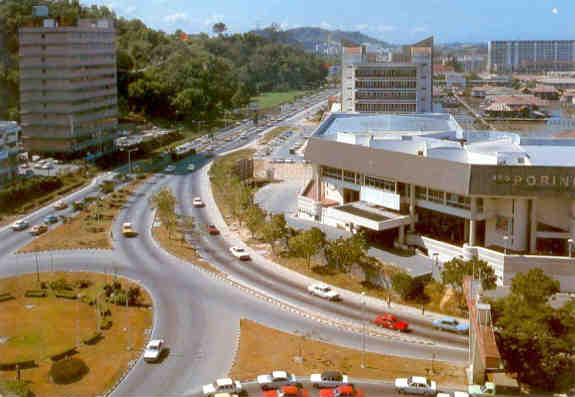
[
  {"x": 402, "y": 95},
  {"x": 386, "y": 73},
  {"x": 394, "y": 84},
  {"x": 385, "y": 107}
]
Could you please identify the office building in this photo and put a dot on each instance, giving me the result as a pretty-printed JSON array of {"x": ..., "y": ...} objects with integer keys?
[
  {"x": 422, "y": 180},
  {"x": 531, "y": 56},
  {"x": 9, "y": 149},
  {"x": 68, "y": 87},
  {"x": 376, "y": 83}
]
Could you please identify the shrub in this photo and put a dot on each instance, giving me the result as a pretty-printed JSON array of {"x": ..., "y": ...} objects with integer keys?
[
  {"x": 83, "y": 284},
  {"x": 92, "y": 339},
  {"x": 68, "y": 371},
  {"x": 63, "y": 354},
  {"x": 66, "y": 295},
  {"x": 106, "y": 324},
  {"x": 6, "y": 297},
  {"x": 34, "y": 293},
  {"x": 12, "y": 365},
  {"x": 61, "y": 285},
  {"x": 14, "y": 387}
]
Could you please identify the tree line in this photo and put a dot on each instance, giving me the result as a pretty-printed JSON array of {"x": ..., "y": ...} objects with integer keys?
[{"x": 170, "y": 75}]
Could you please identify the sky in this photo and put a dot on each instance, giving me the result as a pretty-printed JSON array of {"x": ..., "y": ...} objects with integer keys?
[{"x": 396, "y": 21}]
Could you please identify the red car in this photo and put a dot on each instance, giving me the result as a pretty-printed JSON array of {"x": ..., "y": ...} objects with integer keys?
[
  {"x": 213, "y": 230},
  {"x": 389, "y": 321},
  {"x": 341, "y": 391},
  {"x": 287, "y": 391}
]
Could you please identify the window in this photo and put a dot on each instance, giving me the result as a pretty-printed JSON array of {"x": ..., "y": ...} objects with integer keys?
[
  {"x": 379, "y": 183},
  {"x": 436, "y": 196},
  {"x": 349, "y": 176},
  {"x": 421, "y": 192}
]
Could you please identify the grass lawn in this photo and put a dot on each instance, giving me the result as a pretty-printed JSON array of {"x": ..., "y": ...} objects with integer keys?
[
  {"x": 35, "y": 328},
  {"x": 82, "y": 231},
  {"x": 271, "y": 99},
  {"x": 258, "y": 352}
]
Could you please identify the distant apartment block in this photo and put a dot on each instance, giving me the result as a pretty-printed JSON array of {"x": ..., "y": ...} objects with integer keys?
[
  {"x": 68, "y": 87},
  {"x": 9, "y": 148},
  {"x": 472, "y": 63},
  {"x": 400, "y": 83},
  {"x": 531, "y": 56}
]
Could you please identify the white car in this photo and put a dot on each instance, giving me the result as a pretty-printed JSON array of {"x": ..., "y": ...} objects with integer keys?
[
  {"x": 197, "y": 202},
  {"x": 153, "y": 350},
  {"x": 240, "y": 253},
  {"x": 416, "y": 385},
  {"x": 323, "y": 291},
  {"x": 328, "y": 379},
  {"x": 223, "y": 385},
  {"x": 170, "y": 168},
  {"x": 20, "y": 225},
  {"x": 454, "y": 394},
  {"x": 275, "y": 379},
  {"x": 191, "y": 167}
]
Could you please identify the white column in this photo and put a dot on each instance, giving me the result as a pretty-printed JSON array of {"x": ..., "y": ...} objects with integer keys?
[
  {"x": 401, "y": 236},
  {"x": 317, "y": 182},
  {"x": 472, "y": 222},
  {"x": 533, "y": 227},
  {"x": 412, "y": 207}
]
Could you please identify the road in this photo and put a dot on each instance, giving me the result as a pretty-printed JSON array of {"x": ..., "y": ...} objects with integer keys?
[{"x": 199, "y": 314}]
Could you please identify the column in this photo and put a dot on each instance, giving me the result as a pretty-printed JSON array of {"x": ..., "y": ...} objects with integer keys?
[
  {"x": 472, "y": 222},
  {"x": 412, "y": 207},
  {"x": 533, "y": 227},
  {"x": 401, "y": 236},
  {"x": 317, "y": 182}
]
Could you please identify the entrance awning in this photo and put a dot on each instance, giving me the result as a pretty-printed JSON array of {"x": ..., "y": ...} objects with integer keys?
[{"x": 368, "y": 216}]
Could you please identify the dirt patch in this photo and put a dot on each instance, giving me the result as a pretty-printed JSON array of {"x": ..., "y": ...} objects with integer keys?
[
  {"x": 50, "y": 325},
  {"x": 83, "y": 230},
  {"x": 263, "y": 349}
]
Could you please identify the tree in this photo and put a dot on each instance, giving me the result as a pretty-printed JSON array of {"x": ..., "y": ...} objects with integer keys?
[
  {"x": 274, "y": 230},
  {"x": 344, "y": 252},
  {"x": 255, "y": 218},
  {"x": 219, "y": 28},
  {"x": 307, "y": 244},
  {"x": 534, "y": 287},
  {"x": 402, "y": 283},
  {"x": 456, "y": 269}
]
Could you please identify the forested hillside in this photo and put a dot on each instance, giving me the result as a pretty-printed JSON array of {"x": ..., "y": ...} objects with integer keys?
[{"x": 193, "y": 77}]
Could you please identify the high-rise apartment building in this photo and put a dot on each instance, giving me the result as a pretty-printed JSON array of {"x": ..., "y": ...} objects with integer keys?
[
  {"x": 9, "y": 149},
  {"x": 531, "y": 56},
  {"x": 68, "y": 87},
  {"x": 401, "y": 83}
]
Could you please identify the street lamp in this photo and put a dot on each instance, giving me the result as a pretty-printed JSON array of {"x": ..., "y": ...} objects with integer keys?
[
  {"x": 570, "y": 242},
  {"x": 363, "y": 329},
  {"x": 130, "y": 158}
]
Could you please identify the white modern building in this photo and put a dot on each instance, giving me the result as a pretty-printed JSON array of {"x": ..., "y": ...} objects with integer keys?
[
  {"x": 531, "y": 56},
  {"x": 400, "y": 83},
  {"x": 9, "y": 149},
  {"x": 423, "y": 180}
]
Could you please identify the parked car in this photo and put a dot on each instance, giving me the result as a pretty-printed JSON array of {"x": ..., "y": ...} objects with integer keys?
[
  {"x": 197, "y": 202},
  {"x": 323, "y": 291},
  {"x": 154, "y": 350},
  {"x": 60, "y": 205},
  {"x": 451, "y": 324},
  {"x": 341, "y": 391},
  {"x": 390, "y": 321},
  {"x": 191, "y": 167},
  {"x": 275, "y": 379},
  {"x": 328, "y": 379},
  {"x": 49, "y": 219},
  {"x": 212, "y": 230},
  {"x": 287, "y": 391},
  {"x": 240, "y": 253},
  {"x": 223, "y": 385},
  {"x": 488, "y": 389},
  {"x": 20, "y": 225},
  {"x": 416, "y": 385},
  {"x": 128, "y": 230},
  {"x": 453, "y": 394},
  {"x": 38, "y": 229},
  {"x": 170, "y": 168}
]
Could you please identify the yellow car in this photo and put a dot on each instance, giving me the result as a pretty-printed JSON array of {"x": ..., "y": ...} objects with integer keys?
[{"x": 128, "y": 230}]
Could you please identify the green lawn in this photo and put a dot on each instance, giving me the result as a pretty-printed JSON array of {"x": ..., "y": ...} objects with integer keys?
[{"x": 270, "y": 99}]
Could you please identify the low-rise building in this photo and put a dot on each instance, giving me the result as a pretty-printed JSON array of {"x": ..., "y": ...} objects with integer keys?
[
  {"x": 546, "y": 92},
  {"x": 455, "y": 80},
  {"x": 423, "y": 180},
  {"x": 9, "y": 149}
]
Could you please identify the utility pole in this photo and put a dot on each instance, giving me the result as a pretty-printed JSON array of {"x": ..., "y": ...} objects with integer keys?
[
  {"x": 128, "y": 324},
  {"x": 363, "y": 330},
  {"x": 37, "y": 269}
]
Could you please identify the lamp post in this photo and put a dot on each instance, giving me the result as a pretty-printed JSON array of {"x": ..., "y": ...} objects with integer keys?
[{"x": 363, "y": 329}]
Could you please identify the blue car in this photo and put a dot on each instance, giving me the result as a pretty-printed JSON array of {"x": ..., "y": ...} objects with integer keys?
[
  {"x": 451, "y": 324},
  {"x": 49, "y": 219}
]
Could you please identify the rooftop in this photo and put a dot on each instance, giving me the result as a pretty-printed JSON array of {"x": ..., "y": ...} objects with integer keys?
[{"x": 438, "y": 135}]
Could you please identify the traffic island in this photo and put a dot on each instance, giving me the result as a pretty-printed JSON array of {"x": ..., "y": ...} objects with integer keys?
[
  {"x": 262, "y": 349},
  {"x": 78, "y": 317}
]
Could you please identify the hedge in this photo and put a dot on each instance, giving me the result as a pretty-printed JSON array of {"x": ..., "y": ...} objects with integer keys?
[
  {"x": 6, "y": 297},
  {"x": 16, "y": 388},
  {"x": 28, "y": 189},
  {"x": 35, "y": 293},
  {"x": 63, "y": 354},
  {"x": 106, "y": 324},
  {"x": 68, "y": 371},
  {"x": 66, "y": 295},
  {"x": 92, "y": 339},
  {"x": 12, "y": 365}
]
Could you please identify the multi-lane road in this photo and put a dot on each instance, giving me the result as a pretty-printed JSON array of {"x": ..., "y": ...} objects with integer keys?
[{"x": 199, "y": 314}]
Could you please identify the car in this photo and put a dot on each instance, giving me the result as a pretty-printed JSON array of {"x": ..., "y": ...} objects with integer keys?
[
  {"x": 60, "y": 205},
  {"x": 328, "y": 379},
  {"x": 128, "y": 230},
  {"x": 341, "y": 391},
  {"x": 212, "y": 229},
  {"x": 20, "y": 225},
  {"x": 240, "y": 253},
  {"x": 286, "y": 391},
  {"x": 191, "y": 167},
  {"x": 390, "y": 321},
  {"x": 197, "y": 202},
  {"x": 170, "y": 168},
  {"x": 153, "y": 350},
  {"x": 223, "y": 385},
  {"x": 453, "y": 394},
  {"x": 275, "y": 379},
  {"x": 415, "y": 385},
  {"x": 450, "y": 324},
  {"x": 488, "y": 389},
  {"x": 38, "y": 229},
  {"x": 323, "y": 291},
  {"x": 49, "y": 219}
]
